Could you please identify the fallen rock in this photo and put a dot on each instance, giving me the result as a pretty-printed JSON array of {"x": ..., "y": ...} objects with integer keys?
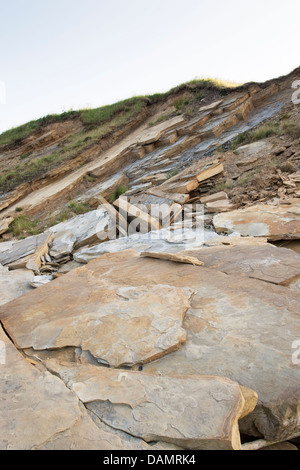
[
  {"x": 121, "y": 326},
  {"x": 14, "y": 283},
  {"x": 18, "y": 254},
  {"x": 265, "y": 262},
  {"x": 5, "y": 223},
  {"x": 276, "y": 222},
  {"x": 193, "y": 412}
]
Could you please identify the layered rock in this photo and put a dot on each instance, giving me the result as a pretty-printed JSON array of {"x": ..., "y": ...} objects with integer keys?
[{"x": 193, "y": 412}]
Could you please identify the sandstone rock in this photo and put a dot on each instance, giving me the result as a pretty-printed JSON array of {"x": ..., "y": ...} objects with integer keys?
[
  {"x": 121, "y": 326},
  {"x": 81, "y": 230},
  {"x": 164, "y": 240},
  {"x": 193, "y": 412},
  {"x": 4, "y": 224},
  {"x": 28, "y": 416},
  {"x": 220, "y": 196},
  {"x": 13, "y": 284},
  {"x": 237, "y": 327},
  {"x": 265, "y": 262},
  {"x": 262, "y": 220},
  {"x": 21, "y": 251},
  {"x": 220, "y": 206},
  {"x": 177, "y": 258}
]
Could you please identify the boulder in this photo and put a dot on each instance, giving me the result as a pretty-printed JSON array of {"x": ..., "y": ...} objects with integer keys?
[{"x": 194, "y": 412}]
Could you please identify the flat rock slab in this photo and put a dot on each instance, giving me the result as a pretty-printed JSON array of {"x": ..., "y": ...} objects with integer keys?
[
  {"x": 37, "y": 411},
  {"x": 194, "y": 412},
  {"x": 158, "y": 241},
  {"x": 13, "y": 284},
  {"x": 121, "y": 326},
  {"x": 265, "y": 262},
  {"x": 27, "y": 396},
  {"x": 237, "y": 327},
  {"x": 262, "y": 220}
]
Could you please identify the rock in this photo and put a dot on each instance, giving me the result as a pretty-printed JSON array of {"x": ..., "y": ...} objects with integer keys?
[
  {"x": 86, "y": 434},
  {"x": 281, "y": 446},
  {"x": 210, "y": 106},
  {"x": 265, "y": 262},
  {"x": 164, "y": 240},
  {"x": 153, "y": 134},
  {"x": 121, "y": 326},
  {"x": 220, "y": 196},
  {"x": 193, "y": 412},
  {"x": 39, "y": 281},
  {"x": 262, "y": 220},
  {"x": 142, "y": 220},
  {"x": 237, "y": 327},
  {"x": 28, "y": 416},
  {"x": 220, "y": 206},
  {"x": 14, "y": 284},
  {"x": 5, "y": 223},
  {"x": 177, "y": 258},
  {"x": 20, "y": 252}
]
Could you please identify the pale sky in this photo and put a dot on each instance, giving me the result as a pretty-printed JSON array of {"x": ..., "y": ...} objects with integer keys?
[{"x": 62, "y": 54}]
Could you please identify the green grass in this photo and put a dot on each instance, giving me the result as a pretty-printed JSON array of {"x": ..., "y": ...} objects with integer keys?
[
  {"x": 78, "y": 207},
  {"x": 121, "y": 189},
  {"x": 100, "y": 115}
]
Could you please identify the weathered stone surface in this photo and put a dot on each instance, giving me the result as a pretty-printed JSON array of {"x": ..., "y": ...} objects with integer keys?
[
  {"x": 13, "y": 284},
  {"x": 28, "y": 416},
  {"x": 275, "y": 222},
  {"x": 220, "y": 196},
  {"x": 87, "y": 435},
  {"x": 156, "y": 241},
  {"x": 81, "y": 230},
  {"x": 5, "y": 223},
  {"x": 265, "y": 262},
  {"x": 195, "y": 412},
  {"x": 29, "y": 248},
  {"x": 237, "y": 327},
  {"x": 119, "y": 326}
]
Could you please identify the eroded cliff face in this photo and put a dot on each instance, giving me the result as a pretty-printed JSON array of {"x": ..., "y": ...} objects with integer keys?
[{"x": 154, "y": 329}]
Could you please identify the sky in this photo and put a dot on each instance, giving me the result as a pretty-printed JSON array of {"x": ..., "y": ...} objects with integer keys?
[{"x": 57, "y": 55}]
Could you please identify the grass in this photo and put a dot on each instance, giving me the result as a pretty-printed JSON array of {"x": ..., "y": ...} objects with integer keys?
[
  {"x": 172, "y": 173},
  {"x": 285, "y": 127},
  {"x": 79, "y": 208},
  {"x": 121, "y": 189},
  {"x": 23, "y": 225},
  {"x": 100, "y": 115}
]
